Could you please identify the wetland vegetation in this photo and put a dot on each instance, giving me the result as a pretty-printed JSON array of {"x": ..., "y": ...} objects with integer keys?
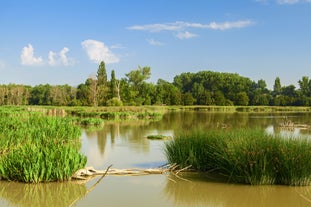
[
  {"x": 36, "y": 148},
  {"x": 249, "y": 156}
]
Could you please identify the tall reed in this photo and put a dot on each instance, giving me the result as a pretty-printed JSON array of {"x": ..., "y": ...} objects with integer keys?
[
  {"x": 244, "y": 156},
  {"x": 37, "y": 148}
]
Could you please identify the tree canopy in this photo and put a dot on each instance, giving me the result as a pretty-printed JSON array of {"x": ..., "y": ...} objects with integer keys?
[{"x": 200, "y": 88}]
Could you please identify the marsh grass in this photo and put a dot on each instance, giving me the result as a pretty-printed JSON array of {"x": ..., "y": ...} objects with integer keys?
[
  {"x": 158, "y": 137},
  {"x": 244, "y": 156},
  {"x": 91, "y": 121},
  {"x": 38, "y": 148}
]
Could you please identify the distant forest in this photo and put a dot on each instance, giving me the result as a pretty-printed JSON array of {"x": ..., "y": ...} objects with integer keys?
[{"x": 201, "y": 88}]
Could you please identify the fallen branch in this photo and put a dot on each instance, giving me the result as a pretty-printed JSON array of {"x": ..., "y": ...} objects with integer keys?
[{"x": 86, "y": 173}]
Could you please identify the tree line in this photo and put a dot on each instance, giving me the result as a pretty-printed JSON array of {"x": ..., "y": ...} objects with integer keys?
[{"x": 201, "y": 88}]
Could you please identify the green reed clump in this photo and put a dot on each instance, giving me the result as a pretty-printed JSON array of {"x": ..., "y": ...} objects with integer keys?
[
  {"x": 91, "y": 121},
  {"x": 244, "y": 156},
  {"x": 38, "y": 148}
]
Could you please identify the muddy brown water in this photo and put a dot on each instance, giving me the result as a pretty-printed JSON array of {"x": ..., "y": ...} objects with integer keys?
[{"x": 124, "y": 145}]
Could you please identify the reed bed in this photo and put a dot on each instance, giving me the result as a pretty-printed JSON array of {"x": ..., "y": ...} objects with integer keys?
[
  {"x": 38, "y": 148},
  {"x": 244, "y": 156}
]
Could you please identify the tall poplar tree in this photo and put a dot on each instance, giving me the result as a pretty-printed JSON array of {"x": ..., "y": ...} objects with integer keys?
[
  {"x": 101, "y": 84},
  {"x": 113, "y": 85},
  {"x": 277, "y": 87}
]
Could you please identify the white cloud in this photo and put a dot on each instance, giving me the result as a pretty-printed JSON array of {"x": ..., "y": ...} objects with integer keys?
[
  {"x": 180, "y": 26},
  {"x": 230, "y": 25},
  {"x": 155, "y": 42},
  {"x": 52, "y": 58},
  {"x": 97, "y": 51},
  {"x": 60, "y": 58},
  {"x": 185, "y": 35},
  {"x": 28, "y": 58}
]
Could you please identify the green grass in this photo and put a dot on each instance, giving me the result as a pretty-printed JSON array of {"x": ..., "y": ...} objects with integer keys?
[
  {"x": 158, "y": 137},
  {"x": 38, "y": 148},
  {"x": 244, "y": 156}
]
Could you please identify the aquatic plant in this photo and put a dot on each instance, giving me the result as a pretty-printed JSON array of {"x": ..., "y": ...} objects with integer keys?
[
  {"x": 158, "y": 137},
  {"x": 91, "y": 121},
  {"x": 38, "y": 148},
  {"x": 244, "y": 156}
]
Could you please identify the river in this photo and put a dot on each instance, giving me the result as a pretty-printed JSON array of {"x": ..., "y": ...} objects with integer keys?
[{"x": 123, "y": 144}]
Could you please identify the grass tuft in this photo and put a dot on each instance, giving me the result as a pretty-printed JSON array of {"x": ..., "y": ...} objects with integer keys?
[
  {"x": 244, "y": 156},
  {"x": 37, "y": 148}
]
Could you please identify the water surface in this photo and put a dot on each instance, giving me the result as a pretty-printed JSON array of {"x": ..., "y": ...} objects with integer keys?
[{"x": 124, "y": 145}]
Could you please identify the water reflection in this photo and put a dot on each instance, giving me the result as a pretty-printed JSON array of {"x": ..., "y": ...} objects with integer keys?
[
  {"x": 45, "y": 194},
  {"x": 199, "y": 192},
  {"x": 124, "y": 144}
]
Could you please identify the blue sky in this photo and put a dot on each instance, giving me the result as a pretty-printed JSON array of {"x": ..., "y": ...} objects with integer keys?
[{"x": 59, "y": 42}]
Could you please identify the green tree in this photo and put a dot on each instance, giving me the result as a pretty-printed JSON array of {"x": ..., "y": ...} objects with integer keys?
[
  {"x": 138, "y": 87},
  {"x": 113, "y": 85},
  {"x": 167, "y": 93},
  {"x": 188, "y": 99},
  {"x": 101, "y": 88},
  {"x": 305, "y": 86},
  {"x": 277, "y": 87},
  {"x": 242, "y": 99},
  {"x": 40, "y": 95}
]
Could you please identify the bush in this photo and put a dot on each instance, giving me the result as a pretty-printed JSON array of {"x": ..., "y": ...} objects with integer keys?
[{"x": 114, "y": 102}]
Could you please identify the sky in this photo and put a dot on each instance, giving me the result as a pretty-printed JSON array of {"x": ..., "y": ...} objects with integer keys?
[{"x": 63, "y": 42}]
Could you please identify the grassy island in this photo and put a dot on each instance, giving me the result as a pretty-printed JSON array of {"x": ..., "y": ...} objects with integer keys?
[{"x": 244, "y": 156}]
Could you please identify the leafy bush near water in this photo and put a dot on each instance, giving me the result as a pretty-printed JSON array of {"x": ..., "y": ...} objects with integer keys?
[
  {"x": 245, "y": 156},
  {"x": 37, "y": 148}
]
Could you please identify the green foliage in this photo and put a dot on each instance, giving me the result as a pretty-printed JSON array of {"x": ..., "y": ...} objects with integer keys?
[
  {"x": 35, "y": 148},
  {"x": 158, "y": 137},
  {"x": 91, "y": 121},
  {"x": 245, "y": 156},
  {"x": 242, "y": 99},
  {"x": 205, "y": 88},
  {"x": 114, "y": 102}
]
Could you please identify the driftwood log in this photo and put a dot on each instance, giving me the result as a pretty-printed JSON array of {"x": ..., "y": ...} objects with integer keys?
[{"x": 89, "y": 172}]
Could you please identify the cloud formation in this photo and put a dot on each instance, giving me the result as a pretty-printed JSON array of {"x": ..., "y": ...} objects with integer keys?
[
  {"x": 60, "y": 58},
  {"x": 97, "y": 51},
  {"x": 180, "y": 26},
  {"x": 155, "y": 42},
  {"x": 185, "y": 35},
  {"x": 28, "y": 58}
]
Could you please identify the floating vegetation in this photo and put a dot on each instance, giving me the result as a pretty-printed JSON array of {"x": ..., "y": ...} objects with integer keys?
[
  {"x": 244, "y": 156},
  {"x": 158, "y": 137},
  {"x": 38, "y": 148},
  {"x": 91, "y": 121}
]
